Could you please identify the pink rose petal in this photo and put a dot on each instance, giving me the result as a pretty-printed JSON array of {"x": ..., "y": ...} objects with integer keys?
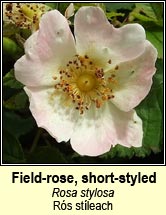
[
  {"x": 93, "y": 28},
  {"x": 49, "y": 114},
  {"x": 96, "y": 132},
  {"x": 135, "y": 79},
  {"x": 46, "y": 50}
]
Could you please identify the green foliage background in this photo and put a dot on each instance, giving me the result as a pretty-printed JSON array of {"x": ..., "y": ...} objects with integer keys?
[{"x": 24, "y": 143}]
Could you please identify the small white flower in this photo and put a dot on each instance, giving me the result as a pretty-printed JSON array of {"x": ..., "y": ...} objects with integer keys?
[{"x": 84, "y": 89}]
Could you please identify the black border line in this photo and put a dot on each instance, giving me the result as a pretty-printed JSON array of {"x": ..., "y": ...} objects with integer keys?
[{"x": 164, "y": 164}]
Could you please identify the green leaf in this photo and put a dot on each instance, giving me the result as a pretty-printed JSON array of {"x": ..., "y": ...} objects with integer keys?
[
  {"x": 16, "y": 102},
  {"x": 158, "y": 83},
  {"x": 52, "y": 5},
  {"x": 152, "y": 10},
  {"x": 142, "y": 152},
  {"x": 10, "y": 48},
  {"x": 136, "y": 14},
  {"x": 127, "y": 153},
  {"x": 12, "y": 150},
  {"x": 9, "y": 80},
  {"x": 158, "y": 9},
  {"x": 147, "y": 9},
  {"x": 46, "y": 155},
  {"x": 118, "y": 6},
  {"x": 114, "y": 14},
  {"x": 16, "y": 124},
  {"x": 156, "y": 38},
  {"x": 9, "y": 29},
  {"x": 123, "y": 152},
  {"x": 158, "y": 77},
  {"x": 150, "y": 112},
  {"x": 145, "y": 13},
  {"x": 62, "y": 7}
]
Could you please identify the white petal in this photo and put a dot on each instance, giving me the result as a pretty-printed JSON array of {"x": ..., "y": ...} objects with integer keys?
[
  {"x": 48, "y": 49},
  {"x": 92, "y": 29},
  {"x": 51, "y": 113},
  {"x": 96, "y": 132},
  {"x": 134, "y": 79}
]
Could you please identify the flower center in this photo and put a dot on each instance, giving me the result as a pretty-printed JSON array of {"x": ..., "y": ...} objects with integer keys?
[
  {"x": 84, "y": 83},
  {"x": 25, "y": 15},
  {"x": 28, "y": 11}
]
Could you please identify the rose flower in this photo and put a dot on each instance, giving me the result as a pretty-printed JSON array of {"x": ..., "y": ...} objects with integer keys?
[{"x": 83, "y": 88}]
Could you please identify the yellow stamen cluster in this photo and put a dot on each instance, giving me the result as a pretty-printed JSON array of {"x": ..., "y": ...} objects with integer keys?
[
  {"x": 85, "y": 83},
  {"x": 25, "y": 15}
]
